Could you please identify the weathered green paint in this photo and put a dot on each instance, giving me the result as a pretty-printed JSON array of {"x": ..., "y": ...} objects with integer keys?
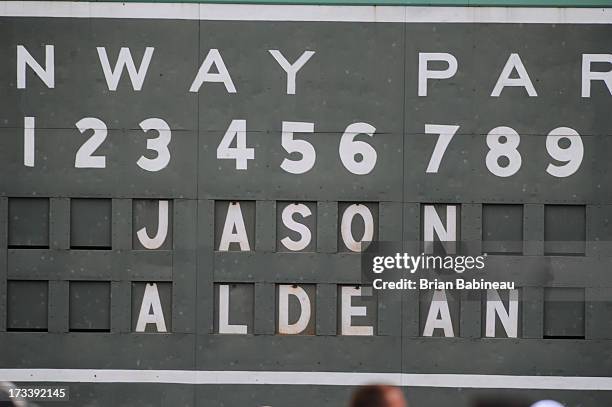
[
  {"x": 468, "y": 3},
  {"x": 368, "y": 73}
]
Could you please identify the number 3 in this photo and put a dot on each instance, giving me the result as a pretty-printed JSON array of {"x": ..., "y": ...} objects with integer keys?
[{"x": 158, "y": 144}]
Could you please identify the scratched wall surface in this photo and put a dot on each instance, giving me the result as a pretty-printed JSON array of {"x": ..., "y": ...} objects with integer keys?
[{"x": 73, "y": 270}]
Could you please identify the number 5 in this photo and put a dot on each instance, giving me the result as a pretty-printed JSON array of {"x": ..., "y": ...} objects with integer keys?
[
  {"x": 446, "y": 134},
  {"x": 302, "y": 147}
]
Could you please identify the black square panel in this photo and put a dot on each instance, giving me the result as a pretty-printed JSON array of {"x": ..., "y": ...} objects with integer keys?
[
  {"x": 90, "y": 306},
  {"x": 502, "y": 229},
  {"x": 564, "y": 311},
  {"x": 27, "y": 305},
  {"x": 564, "y": 229},
  {"x": 28, "y": 225},
  {"x": 90, "y": 223}
]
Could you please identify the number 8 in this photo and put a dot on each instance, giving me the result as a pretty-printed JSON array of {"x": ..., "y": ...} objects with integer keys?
[{"x": 506, "y": 149}]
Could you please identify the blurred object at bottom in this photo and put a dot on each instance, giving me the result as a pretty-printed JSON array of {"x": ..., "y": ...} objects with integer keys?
[
  {"x": 378, "y": 395},
  {"x": 547, "y": 403},
  {"x": 7, "y": 401}
]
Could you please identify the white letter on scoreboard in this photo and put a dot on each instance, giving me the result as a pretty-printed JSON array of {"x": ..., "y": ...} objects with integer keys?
[
  {"x": 348, "y": 311},
  {"x": 291, "y": 70},
  {"x": 439, "y": 306},
  {"x": 151, "y": 302},
  {"x": 29, "y": 149},
  {"x": 204, "y": 74},
  {"x": 125, "y": 60},
  {"x": 224, "y": 326},
  {"x": 234, "y": 220},
  {"x": 290, "y": 223},
  {"x": 47, "y": 74},
  {"x": 347, "y": 222},
  {"x": 514, "y": 62},
  {"x": 588, "y": 75},
  {"x": 425, "y": 73},
  {"x": 284, "y": 327},
  {"x": 241, "y": 153},
  {"x": 162, "y": 229},
  {"x": 432, "y": 222},
  {"x": 445, "y": 134},
  {"x": 302, "y": 147},
  {"x": 508, "y": 318}
]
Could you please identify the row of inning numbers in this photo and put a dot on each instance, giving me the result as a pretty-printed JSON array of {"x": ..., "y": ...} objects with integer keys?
[{"x": 358, "y": 157}]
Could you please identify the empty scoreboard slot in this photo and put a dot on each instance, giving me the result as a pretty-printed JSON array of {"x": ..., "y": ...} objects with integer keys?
[
  {"x": 28, "y": 225},
  {"x": 502, "y": 229},
  {"x": 27, "y": 306},
  {"x": 564, "y": 313},
  {"x": 565, "y": 230},
  {"x": 90, "y": 224},
  {"x": 89, "y": 306}
]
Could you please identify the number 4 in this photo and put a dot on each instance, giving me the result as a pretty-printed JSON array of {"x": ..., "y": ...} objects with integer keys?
[
  {"x": 240, "y": 153},
  {"x": 446, "y": 134}
]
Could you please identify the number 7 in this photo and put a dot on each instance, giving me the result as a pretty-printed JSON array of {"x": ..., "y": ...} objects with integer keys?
[{"x": 446, "y": 134}]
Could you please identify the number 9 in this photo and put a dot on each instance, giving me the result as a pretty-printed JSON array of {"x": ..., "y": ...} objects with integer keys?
[{"x": 572, "y": 155}]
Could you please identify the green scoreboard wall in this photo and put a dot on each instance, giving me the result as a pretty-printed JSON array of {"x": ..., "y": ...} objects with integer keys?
[{"x": 176, "y": 179}]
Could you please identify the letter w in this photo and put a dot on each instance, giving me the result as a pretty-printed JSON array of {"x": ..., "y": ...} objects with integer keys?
[{"x": 137, "y": 77}]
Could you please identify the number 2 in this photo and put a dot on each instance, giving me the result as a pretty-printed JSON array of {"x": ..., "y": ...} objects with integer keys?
[{"x": 84, "y": 156}]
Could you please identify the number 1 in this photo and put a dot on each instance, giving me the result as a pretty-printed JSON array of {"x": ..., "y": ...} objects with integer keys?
[{"x": 28, "y": 141}]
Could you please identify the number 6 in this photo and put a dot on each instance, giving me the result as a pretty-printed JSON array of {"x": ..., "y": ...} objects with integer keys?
[{"x": 349, "y": 148}]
